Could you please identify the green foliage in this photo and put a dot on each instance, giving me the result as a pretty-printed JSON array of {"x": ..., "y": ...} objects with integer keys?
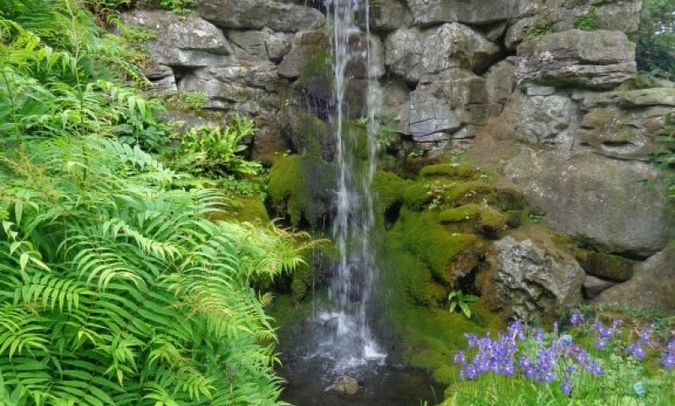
[
  {"x": 214, "y": 151},
  {"x": 458, "y": 300},
  {"x": 656, "y": 38},
  {"x": 188, "y": 101},
  {"x": 588, "y": 21},
  {"x": 537, "y": 32},
  {"x": 109, "y": 297},
  {"x": 178, "y": 6}
]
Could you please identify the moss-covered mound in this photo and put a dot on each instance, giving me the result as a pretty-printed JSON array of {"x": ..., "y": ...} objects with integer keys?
[
  {"x": 301, "y": 189},
  {"x": 437, "y": 243}
]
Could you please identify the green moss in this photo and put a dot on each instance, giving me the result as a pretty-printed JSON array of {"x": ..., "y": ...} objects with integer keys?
[
  {"x": 316, "y": 76},
  {"x": 250, "y": 209},
  {"x": 429, "y": 241},
  {"x": 463, "y": 171},
  {"x": 299, "y": 188},
  {"x": 417, "y": 196},
  {"x": 311, "y": 136},
  {"x": 389, "y": 189}
]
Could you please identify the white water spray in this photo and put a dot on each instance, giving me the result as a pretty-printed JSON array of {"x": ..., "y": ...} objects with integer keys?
[{"x": 350, "y": 342}]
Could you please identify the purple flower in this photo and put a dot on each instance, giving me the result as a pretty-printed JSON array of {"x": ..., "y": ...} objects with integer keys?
[
  {"x": 600, "y": 343},
  {"x": 577, "y": 318},
  {"x": 594, "y": 368},
  {"x": 460, "y": 358},
  {"x": 668, "y": 357},
  {"x": 566, "y": 386},
  {"x": 636, "y": 349}
]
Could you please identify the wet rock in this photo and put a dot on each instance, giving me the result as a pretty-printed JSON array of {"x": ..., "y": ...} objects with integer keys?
[
  {"x": 346, "y": 385},
  {"x": 534, "y": 281}
]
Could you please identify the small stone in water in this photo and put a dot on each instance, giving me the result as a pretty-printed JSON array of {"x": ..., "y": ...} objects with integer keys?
[{"x": 346, "y": 385}]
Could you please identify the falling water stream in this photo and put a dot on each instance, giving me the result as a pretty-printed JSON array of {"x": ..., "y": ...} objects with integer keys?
[{"x": 342, "y": 342}]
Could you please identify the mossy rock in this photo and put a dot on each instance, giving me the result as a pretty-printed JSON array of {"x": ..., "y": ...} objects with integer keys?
[
  {"x": 300, "y": 189},
  {"x": 316, "y": 272},
  {"x": 389, "y": 190},
  {"x": 417, "y": 196},
  {"x": 462, "y": 171},
  {"x": 250, "y": 209},
  {"x": 428, "y": 240},
  {"x": 311, "y": 136},
  {"x": 605, "y": 266},
  {"x": 480, "y": 218}
]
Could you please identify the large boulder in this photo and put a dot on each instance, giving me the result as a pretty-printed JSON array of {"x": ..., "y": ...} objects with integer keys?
[
  {"x": 602, "y": 203},
  {"x": 412, "y": 53},
  {"x": 181, "y": 41},
  {"x": 626, "y": 124},
  {"x": 651, "y": 288},
  {"x": 428, "y": 12},
  {"x": 257, "y": 14},
  {"x": 534, "y": 281},
  {"x": 590, "y": 59}
]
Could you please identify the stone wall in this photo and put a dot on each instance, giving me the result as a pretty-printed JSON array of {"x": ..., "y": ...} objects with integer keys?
[{"x": 445, "y": 68}]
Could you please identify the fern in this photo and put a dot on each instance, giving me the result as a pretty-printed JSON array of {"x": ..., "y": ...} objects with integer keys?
[{"x": 142, "y": 298}]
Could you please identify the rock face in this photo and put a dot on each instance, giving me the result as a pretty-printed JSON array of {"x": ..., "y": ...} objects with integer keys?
[
  {"x": 449, "y": 71},
  {"x": 625, "y": 124},
  {"x": 531, "y": 282},
  {"x": 599, "y": 202},
  {"x": 188, "y": 41},
  {"x": 258, "y": 14},
  {"x": 590, "y": 59}
]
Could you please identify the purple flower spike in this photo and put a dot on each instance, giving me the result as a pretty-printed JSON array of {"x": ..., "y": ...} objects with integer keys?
[
  {"x": 577, "y": 318},
  {"x": 460, "y": 358},
  {"x": 668, "y": 358},
  {"x": 636, "y": 349},
  {"x": 566, "y": 386}
]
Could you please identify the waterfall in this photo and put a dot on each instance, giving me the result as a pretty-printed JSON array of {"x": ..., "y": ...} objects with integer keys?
[{"x": 348, "y": 340}]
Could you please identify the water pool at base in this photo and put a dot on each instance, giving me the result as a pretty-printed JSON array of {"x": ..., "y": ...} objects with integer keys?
[{"x": 308, "y": 384}]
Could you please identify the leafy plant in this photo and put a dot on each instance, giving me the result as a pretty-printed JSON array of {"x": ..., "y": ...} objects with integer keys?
[
  {"x": 178, "y": 6},
  {"x": 188, "y": 101},
  {"x": 214, "y": 151},
  {"x": 537, "y": 32},
  {"x": 588, "y": 21},
  {"x": 117, "y": 289},
  {"x": 655, "y": 38},
  {"x": 459, "y": 300}
]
